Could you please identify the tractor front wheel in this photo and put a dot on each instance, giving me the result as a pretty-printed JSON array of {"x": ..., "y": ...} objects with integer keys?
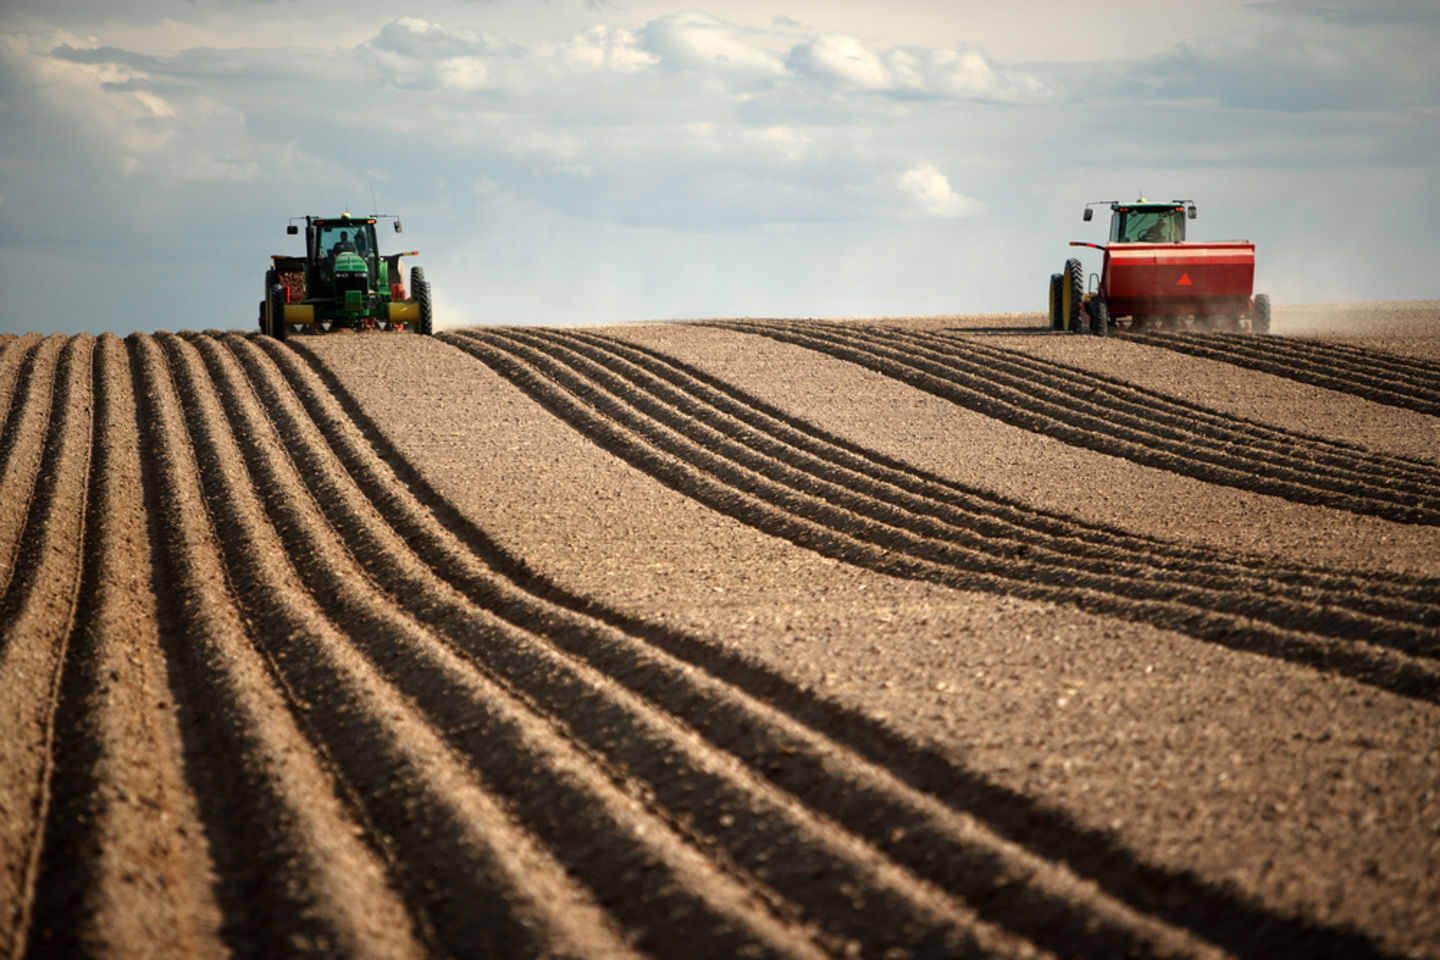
[
  {"x": 420, "y": 290},
  {"x": 1057, "y": 321},
  {"x": 1073, "y": 294},
  {"x": 1099, "y": 316},
  {"x": 1260, "y": 316}
]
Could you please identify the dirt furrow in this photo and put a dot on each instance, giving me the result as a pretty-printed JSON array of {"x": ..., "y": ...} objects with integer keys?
[
  {"x": 1392, "y": 365},
  {"x": 735, "y": 812},
  {"x": 1069, "y": 421},
  {"x": 995, "y": 516},
  {"x": 1142, "y": 417},
  {"x": 1215, "y": 437},
  {"x": 568, "y": 643},
  {"x": 1353, "y": 359},
  {"x": 36, "y": 612},
  {"x": 22, "y": 446},
  {"x": 1190, "y": 422},
  {"x": 124, "y": 857},
  {"x": 293, "y": 874},
  {"x": 1384, "y": 378},
  {"x": 729, "y": 809},
  {"x": 937, "y": 839},
  {"x": 598, "y": 834},
  {"x": 906, "y": 500},
  {"x": 14, "y": 356},
  {"x": 759, "y": 839},
  {"x": 840, "y": 531}
]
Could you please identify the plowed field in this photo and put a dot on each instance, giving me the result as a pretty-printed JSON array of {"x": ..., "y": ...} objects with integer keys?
[{"x": 930, "y": 637}]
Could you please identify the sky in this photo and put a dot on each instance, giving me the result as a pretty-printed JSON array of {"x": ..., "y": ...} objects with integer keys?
[{"x": 595, "y": 161}]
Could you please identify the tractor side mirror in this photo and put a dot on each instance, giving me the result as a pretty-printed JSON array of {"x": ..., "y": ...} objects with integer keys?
[
  {"x": 292, "y": 230},
  {"x": 1190, "y": 212},
  {"x": 1089, "y": 213},
  {"x": 398, "y": 227}
]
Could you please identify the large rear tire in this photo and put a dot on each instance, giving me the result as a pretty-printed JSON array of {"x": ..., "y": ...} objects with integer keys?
[
  {"x": 1099, "y": 316},
  {"x": 1073, "y": 288},
  {"x": 420, "y": 290},
  {"x": 1057, "y": 321},
  {"x": 1260, "y": 316},
  {"x": 273, "y": 318},
  {"x": 277, "y": 313}
]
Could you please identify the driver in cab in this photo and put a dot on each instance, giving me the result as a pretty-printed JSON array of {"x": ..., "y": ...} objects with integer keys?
[{"x": 1160, "y": 231}]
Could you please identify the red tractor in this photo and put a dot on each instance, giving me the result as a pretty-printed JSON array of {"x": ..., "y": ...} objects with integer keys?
[{"x": 1153, "y": 278}]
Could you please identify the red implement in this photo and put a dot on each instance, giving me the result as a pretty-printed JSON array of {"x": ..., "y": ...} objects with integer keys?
[{"x": 1178, "y": 279}]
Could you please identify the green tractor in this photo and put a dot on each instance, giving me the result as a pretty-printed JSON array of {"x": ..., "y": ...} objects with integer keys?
[{"x": 343, "y": 282}]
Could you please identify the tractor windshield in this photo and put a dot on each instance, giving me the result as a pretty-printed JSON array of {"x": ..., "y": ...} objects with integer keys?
[
  {"x": 1147, "y": 226},
  {"x": 355, "y": 237}
]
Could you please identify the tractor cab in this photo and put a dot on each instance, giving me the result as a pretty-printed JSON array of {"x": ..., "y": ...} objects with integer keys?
[
  {"x": 342, "y": 251},
  {"x": 1145, "y": 222},
  {"x": 346, "y": 235},
  {"x": 343, "y": 259}
]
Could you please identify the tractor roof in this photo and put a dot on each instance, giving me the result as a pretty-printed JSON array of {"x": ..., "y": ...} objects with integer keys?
[
  {"x": 343, "y": 218},
  {"x": 1149, "y": 206}
]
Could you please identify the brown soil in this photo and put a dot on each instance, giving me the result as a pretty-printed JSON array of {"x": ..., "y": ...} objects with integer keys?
[{"x": 911, "y": 637}]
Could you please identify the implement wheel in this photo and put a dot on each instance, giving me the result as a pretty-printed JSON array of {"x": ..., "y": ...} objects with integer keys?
[
  {"x": 1057, "y": 319},
  {"x": 1260, "y": 317},
  {"x": 1099, "y": 316},
  {"x": 420, "y": 290},
  {"x": 1072, "y": 289}
]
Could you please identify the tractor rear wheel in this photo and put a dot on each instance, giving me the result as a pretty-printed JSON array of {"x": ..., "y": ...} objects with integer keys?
[
  {"x": 1260, "y": 317},
  {"x": 1056, "y": 317},
  {"x": 277, "y": 313},
  {"x": 1099, "y": 316},
  {"x": 420, "y": 290},
  {"x": 272, "y": 309},
  {"x": 1073, "y": 290}
]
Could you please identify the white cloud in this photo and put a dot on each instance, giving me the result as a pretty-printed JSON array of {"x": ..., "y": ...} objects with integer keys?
[
  {"x": 701, "y": 43},
  {"x": 843, "y": 60},
  {"x": 607, "y": 48},
  {"x": 142, "y": 128},
  {"x": 954, "y": 73},
  {"x": 930, "y": 194},
  {"x": 422, "y": 40},
  {"x": 782, "y": 143},
  {"x": 415, "y": 54},
  {"x": 844, "y": 63}
]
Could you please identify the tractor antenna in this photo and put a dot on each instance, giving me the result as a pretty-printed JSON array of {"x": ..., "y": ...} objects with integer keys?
[{"x": 373, "y": 207}]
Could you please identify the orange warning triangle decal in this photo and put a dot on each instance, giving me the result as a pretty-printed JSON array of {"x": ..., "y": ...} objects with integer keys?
[{"x": 1184, "y": 280}]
